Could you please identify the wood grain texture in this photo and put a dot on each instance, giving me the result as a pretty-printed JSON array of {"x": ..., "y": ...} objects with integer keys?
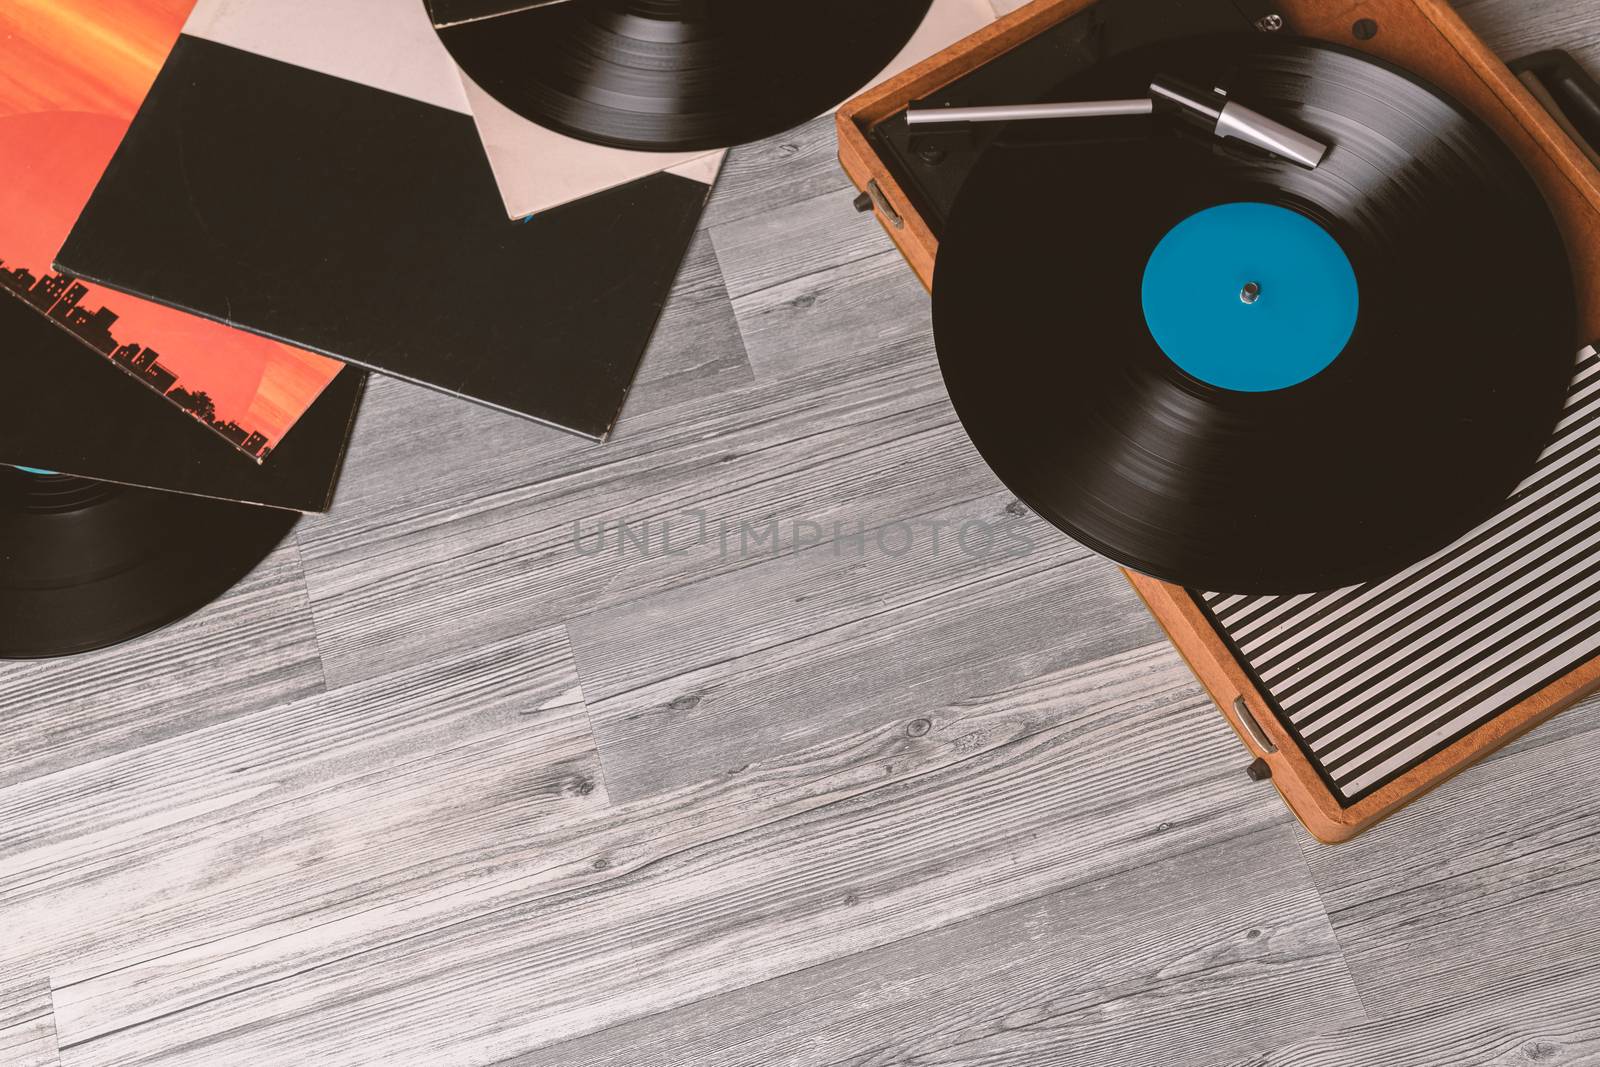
[
  {"x": 132, "y": 823},
  {"x": 252, "y": 649},
  {"x": 1064, "y": 979},
  {"x": 27, "y": 1027},
  {"x": 840, "y": 295},
  {"x": 763, "y": 177},
  {"x": 1487, "y": 885},
  {"x": 869, "y": 661},
  {"x": 446, "y": 564},
  {"x": 1543, "y": 1022},
  {"x": 439, "y": 787},
  {"x": 653, "y": 906},
  {"x": 171, "y": 875}
]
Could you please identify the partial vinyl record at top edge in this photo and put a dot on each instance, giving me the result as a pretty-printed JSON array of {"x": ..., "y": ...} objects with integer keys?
[
  {"x": 1401, "y": 368},
  {"x": 453, "y": 12},
  {"x": 681, "y": 75},
  {"x": 85, "y": 565}
]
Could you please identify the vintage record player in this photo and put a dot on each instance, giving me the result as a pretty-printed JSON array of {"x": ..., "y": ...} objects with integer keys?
[{"x": 1356, "y": 688}]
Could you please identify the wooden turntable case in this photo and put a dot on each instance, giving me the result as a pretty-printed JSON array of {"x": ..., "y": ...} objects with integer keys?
[{"x": 1428, "y": 38}]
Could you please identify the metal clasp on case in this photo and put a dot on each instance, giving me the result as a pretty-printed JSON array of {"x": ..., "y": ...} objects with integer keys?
[
  {"x": 874, "y": 194},
  {"x": 1248, "y": 720}
]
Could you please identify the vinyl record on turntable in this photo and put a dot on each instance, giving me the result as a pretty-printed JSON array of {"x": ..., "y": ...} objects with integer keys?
[
  {"x": 85, "y": 565},
  {"x": 1238, "y": 374},
  {"x": 681, "y": 75}
]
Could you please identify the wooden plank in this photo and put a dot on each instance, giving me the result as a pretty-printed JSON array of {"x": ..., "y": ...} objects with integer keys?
[
  {"x": 842, "y": 295},
  {"x": 695, "y": 894},
  {"x": 799, "y": 575},
  {"x": 561, "y": 857},
  {"x": 720, "y": 689},
  {"x": 376, "y": 796},
  {"x": 837, "y": 316},
  {"x": 1551, "y": 1020},
  {"x": 253, "y": 648},
  {"x": 1166, "y": 964},
  {"x": 784, "y": 243},
  {"x": 1487, "y": 886},
  {"x": 884, "y": 672},
  {"x": 27, "y": 1025},
  {"x": 454, "y": 539}
]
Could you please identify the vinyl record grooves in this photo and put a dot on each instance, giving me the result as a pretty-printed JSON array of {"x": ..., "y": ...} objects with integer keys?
[
  {"x": 84, "y": 564},
  {"x": 681, "y": 75},
  {"x": 1378, "y": 451}
]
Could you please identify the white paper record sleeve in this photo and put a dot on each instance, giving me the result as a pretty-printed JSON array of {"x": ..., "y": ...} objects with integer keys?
[{"x": 538, "y": 169}]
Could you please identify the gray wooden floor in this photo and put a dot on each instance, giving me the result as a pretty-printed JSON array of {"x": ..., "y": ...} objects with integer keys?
[{"x": 443, "y": 784}]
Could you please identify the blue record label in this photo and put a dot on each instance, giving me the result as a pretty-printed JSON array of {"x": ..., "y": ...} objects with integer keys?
[{"x": 1251, "y": 297}]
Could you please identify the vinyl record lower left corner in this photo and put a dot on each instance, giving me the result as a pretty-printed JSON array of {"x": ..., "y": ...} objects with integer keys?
[{"x": 85, "y": 565}]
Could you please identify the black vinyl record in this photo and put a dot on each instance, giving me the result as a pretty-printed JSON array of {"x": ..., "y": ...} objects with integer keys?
[
  {"x": 681, "y": 75},
  {"x": 1460, "y": 331},
  {"x": 85, "y": 565}
]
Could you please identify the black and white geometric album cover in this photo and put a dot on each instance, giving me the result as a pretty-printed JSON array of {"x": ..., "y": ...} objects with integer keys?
[
  {"x": 1374, "y": 679},
  {"x": 311, "y": 171}
]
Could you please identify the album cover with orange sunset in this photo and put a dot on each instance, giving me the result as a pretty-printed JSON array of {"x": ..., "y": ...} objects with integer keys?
[{"x": 73, "y": 73}]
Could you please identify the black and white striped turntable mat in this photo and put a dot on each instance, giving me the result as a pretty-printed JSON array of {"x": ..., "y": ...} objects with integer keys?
[{"x": 1374, "y": 679}]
